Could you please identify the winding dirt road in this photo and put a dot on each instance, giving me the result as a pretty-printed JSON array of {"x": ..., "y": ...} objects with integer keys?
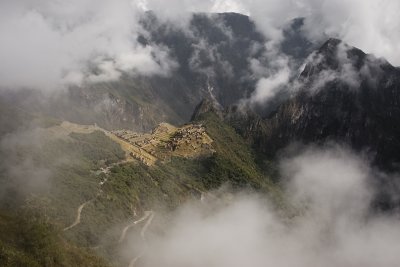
[
  {"x": 123, "y": 234},
  {"x": 150, "y": 216},
  {"x": 78, "y": 216},
  {"x": 80, "y": 208}
]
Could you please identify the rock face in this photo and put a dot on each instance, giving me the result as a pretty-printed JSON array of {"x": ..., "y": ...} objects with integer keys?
[
  {"x": 212, "y": 58},
  {"x": 345, "y": 96},
  {"x": 108, "y": 109},
  {"x": 213, "y": 52},
  {"x": 207, "y": 105}
]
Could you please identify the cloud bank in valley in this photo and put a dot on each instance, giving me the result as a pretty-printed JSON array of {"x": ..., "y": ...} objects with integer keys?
[{"x": 333, "y": 226}]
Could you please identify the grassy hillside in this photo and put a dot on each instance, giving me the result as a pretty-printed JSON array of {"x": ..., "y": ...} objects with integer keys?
[
  {"x": 27, "y": 242},
  {"x": 234, "y": 162},
  {"x": 33, "y": 236},
  {"x": 113, "y": 199}
]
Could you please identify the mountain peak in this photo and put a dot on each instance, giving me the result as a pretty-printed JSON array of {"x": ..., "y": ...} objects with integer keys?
[
  {"x": 330, "y": 45},
  {"x": 338, "y": 57},
  {"x": 208, "y": 104}
]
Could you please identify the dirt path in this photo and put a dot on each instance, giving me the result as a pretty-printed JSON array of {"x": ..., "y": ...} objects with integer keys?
[
  {"x": 78, "y": 216},
  {"x": 66, "y": 128},
  {"x": 80, "y": 208},
  {"x": 125, "y": 230},
  {"x": 148, "y": 223},
  {"x": 150, "y": 217}
]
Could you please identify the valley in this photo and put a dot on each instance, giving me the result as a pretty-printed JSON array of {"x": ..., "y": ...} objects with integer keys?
[{"x": 148, "y": 134}]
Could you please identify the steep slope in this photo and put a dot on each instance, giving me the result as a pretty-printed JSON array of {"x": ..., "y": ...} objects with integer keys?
[
  {"x": 345, "y": 96},
  {"x": 28, "y": 242},
  {"x": 212, "y": 53},
  {"x": 88, "y": 189},
  {"x": 213, "y": 58}
]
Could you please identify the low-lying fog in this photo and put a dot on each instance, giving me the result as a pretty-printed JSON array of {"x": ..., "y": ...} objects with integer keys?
[{"x": 333, "y": 225}]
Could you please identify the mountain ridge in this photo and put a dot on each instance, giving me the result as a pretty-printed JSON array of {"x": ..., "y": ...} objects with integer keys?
[{"x": 362, "y": 113}]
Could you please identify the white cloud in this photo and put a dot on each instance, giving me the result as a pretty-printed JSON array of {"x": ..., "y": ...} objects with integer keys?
[
  {"x": 273, "y": 72},
  {"x": 333, "y": 225},
  {"x": 228, "y": 6},
  {"x": 346, "y": 73},
  {"x": 47, "y": 44},
  {"x": 267, "y": 88},
  {"x": 372, "y": 25}
]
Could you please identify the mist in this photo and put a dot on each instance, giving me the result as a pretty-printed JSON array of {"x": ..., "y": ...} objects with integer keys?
[
  {"x": 371, "y": 25},
  {"x": 53, "y": 44},
  {"x": 325, "y": 215},
  {"x": 359, "y": 23},
  {"x": 20, "y": 167},
  {"x": 328, "y": 221}
]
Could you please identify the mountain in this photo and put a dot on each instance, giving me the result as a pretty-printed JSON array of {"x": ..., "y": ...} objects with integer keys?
[
  {"x": 346, "y": 96},
  {"x": 69, "y": 189},
  {"x": 295, "y": 43},
  {"x": 212, "y": 56},
  {"x": 85, "y": 185},
  {"x": 80, "y": 168},
  {"x": 343, "y": 96}
]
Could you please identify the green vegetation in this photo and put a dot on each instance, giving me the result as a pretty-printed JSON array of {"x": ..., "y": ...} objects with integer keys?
[
  {"x": 234, "y": 161},
  {"x": 137, "y": 187},
  {"x": 29, "y": 242},
  {"x": 96, "y": 147},
  {"x": 129, "y": 188},
  {"x": 69, "y": 165}
]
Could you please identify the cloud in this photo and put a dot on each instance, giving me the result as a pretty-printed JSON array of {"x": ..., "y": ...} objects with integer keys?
[
  {"x": 273, "y": 70},
  {"x": 47, "y": 44},
  {"x": 19, "y": 168},
  {"x": 206, "y": 59},
  {"x": 268, "y": 87},
  {"x": 338, "y": 64},
  {"x": 370, "y": 25},
  {"x": 228, "y": 6},
  {"x": 333, "y": 225},
  {"x": 180, "y": 10}
]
